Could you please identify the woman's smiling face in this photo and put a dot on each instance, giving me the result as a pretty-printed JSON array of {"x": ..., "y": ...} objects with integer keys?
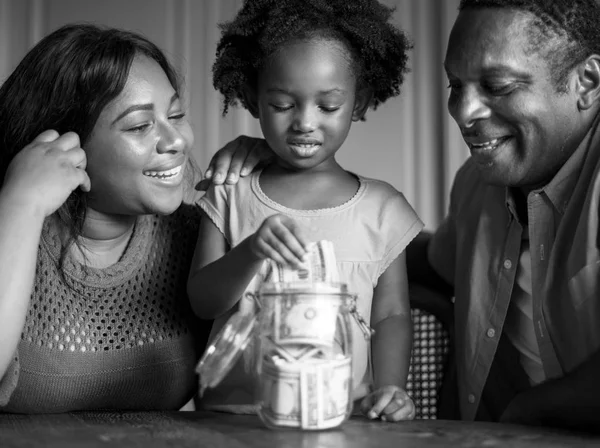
[{"x": 138, "y": 150}]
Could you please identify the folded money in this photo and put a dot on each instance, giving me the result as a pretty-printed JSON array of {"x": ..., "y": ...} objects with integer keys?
[
  {"x": 320, "y": 267},
  {"x": 314, "y": 395}
]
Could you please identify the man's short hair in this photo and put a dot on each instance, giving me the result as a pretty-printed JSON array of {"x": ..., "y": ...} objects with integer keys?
[{"x": 568, "y": 31}]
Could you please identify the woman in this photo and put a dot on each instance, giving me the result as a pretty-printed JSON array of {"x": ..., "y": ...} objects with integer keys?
[{"x": 94, "y": 245}]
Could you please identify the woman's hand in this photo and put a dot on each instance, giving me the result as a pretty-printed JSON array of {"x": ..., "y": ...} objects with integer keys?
[
  {"x": 44, "y": 173},
  {"x": 389, "y": 403},
  {"x": 280, "y": 239},
  {"x": 237, "y": 158}
]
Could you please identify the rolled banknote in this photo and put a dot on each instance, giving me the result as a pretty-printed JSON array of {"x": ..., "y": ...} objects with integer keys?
[
  {"x": 320, "y": 267},
  {"x": 309, "y": 395}
]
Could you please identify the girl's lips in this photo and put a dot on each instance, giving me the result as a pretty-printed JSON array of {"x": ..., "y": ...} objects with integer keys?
[{"x": 304, "y": 149}]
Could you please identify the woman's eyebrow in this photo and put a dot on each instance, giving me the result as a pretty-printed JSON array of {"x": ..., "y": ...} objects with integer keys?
[{"x": 145, "y": 106}]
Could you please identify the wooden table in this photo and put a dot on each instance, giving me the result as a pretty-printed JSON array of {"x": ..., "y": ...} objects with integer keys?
[{"x": 202, "y": 429}]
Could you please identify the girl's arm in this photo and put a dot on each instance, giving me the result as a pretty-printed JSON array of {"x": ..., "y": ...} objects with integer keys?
[
  {"x": 219, "y": 277},
  {"x": 390, "y": 318}
]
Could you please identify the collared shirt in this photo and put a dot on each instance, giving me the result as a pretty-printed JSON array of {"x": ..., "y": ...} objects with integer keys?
[
  {"x": 518, "y": 326},
  {"x": 477, "y": 249}
]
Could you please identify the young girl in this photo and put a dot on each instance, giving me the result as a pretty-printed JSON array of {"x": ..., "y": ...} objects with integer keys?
[{"x": 307, "y": 70}]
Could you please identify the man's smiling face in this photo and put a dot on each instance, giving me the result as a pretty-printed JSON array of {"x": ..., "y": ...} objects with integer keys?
[{"x": 520, "y": 128}]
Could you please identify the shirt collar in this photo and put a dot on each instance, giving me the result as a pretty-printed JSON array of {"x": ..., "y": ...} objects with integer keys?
[{"x": 560, "y": 188}]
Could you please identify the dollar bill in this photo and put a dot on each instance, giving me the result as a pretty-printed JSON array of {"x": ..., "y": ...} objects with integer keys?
[
  {"x": 305, "y": 319},
  {"x": 337, "y": 401},
  {"x": 320, "y": 266},
  {"x": 314, "y": 395},
  {"x": 311, "y": 397},
  {"x": 280, "y": 396}
]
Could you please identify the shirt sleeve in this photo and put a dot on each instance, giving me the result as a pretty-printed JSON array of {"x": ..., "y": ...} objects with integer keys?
[
  {"x": 442, "y": 247},
  {"x": 8, "y": 383},
  {"x": 215, "y": 205},
  {"x": 403, "y": 225}
]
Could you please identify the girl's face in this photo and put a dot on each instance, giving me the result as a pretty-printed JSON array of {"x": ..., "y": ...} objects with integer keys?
[
  {"x": 307, "y": 101},
  {"x": 138, "y": 150}
]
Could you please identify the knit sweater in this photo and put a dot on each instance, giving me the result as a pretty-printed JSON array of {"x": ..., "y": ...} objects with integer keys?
[{"x": 123, "y": 337}]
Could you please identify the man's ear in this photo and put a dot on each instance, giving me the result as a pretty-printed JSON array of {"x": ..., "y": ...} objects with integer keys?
[
  {"x": 251, "y": 101},
  {"x": 588, "y": 86},
  {"x": 363, "y": 101}
]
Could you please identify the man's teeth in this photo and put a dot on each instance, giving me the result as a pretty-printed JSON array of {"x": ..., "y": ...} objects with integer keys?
[
  {"x": 486, "y": 145},
  {"x": 164, "y": 174}
]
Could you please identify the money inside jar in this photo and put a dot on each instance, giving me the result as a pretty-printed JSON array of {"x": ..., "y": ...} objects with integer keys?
[{"x": 305, "y": 367}]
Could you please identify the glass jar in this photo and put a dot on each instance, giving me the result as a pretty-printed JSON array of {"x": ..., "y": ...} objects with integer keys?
[{"x": 300, "y": 341}]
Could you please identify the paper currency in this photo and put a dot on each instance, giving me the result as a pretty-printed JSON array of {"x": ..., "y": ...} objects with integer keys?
[
  {"x": 305, "y": 319},
  {"x": 319, "y": 267},
  {"x": 309, "y": 395}
]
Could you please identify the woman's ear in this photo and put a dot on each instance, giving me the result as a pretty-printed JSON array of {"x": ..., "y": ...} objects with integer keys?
[
  {"x": 251, "y": 101},
  {"x": 588, "y": 82},
  {"x": 362, "y": 103}
]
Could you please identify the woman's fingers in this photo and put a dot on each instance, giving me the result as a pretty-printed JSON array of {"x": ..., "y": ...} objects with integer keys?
[
  {"x": 259, "y": 152},
  {"x": 46, "y": 137},
  {"x": 232, "y": 154},
  {"x": 237, "y": 158}
]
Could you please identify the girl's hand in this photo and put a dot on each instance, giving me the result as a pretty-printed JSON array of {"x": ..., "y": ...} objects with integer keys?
[
  {"x": 280, "y": 239},
  {"x": 390, "y": 403},
  {"x": 44, "y": 173},
  {"x": 237, "y": 158}
]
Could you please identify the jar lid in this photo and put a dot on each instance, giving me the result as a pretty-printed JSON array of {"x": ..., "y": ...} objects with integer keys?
[{"x": 226, "y": 348}]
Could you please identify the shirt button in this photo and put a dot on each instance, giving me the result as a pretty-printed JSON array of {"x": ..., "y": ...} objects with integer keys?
[
  {"x": 491, "y": 333},
  {"x": 507, "y": 264},
  {"x": 471, "y": 398}
]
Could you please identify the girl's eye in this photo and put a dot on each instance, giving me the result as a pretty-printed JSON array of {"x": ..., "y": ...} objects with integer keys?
[
  {"x": 329, "y": 109},
  {"x": 281, "y": 108},
  {"x": 178, "y": 116}
]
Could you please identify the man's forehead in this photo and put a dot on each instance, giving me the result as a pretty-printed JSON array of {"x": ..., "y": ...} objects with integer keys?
[{"x": 490, "y": 36}]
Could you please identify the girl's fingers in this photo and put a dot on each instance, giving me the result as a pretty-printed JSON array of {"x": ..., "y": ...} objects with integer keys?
[
  {"x": 406, "y": 412},
  {"x": 392, "y": 406},
  {"x": 383, "y": 399},
  {"x": 281, "y": 245},
  {"x": 268, "y": 251},
  {"x": 288, "y": 245}
]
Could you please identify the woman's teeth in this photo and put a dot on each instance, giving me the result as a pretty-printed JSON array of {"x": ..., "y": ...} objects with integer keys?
[{"x": 164, "y": 174}]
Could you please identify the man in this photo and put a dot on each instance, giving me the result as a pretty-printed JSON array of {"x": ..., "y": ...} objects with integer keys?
[{"x": 520, "y": 245}]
